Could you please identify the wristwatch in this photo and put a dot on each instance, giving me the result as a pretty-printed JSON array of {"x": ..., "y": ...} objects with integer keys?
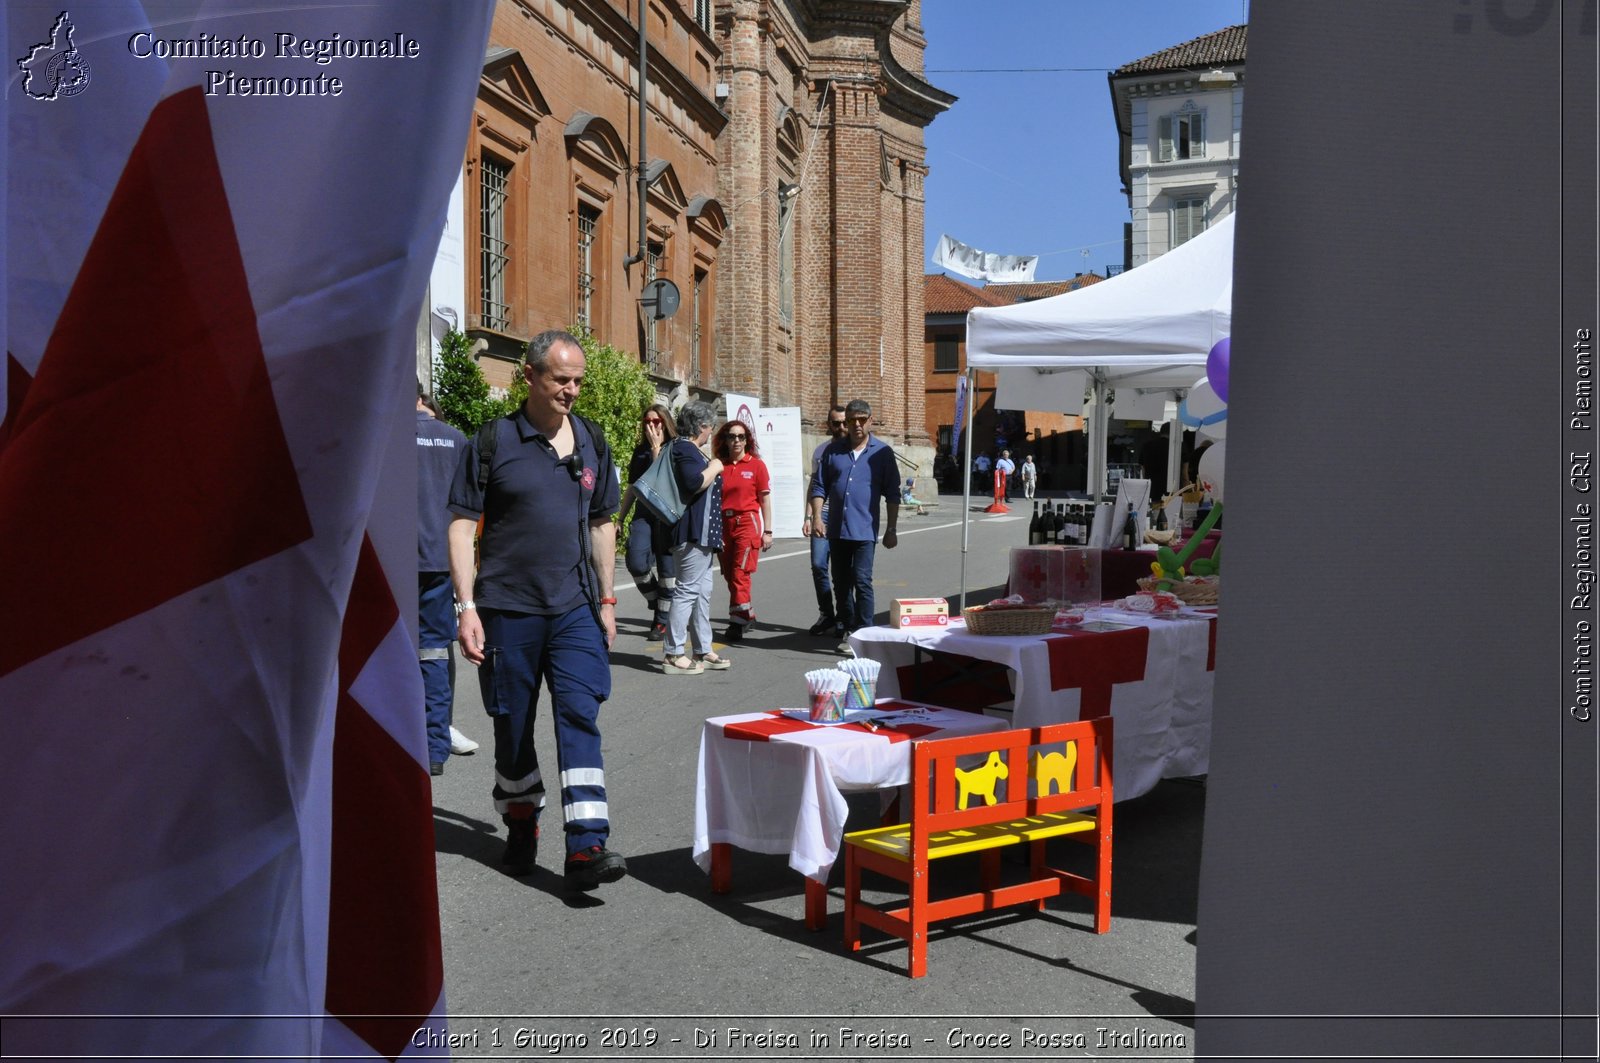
[{"x": 462, "y": 607}]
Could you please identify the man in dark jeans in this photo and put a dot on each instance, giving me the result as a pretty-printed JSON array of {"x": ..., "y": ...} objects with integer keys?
[
  {"x": 852, "y": 474},
  {"x": 827, "y": 622},
  {"x": 538, "y": 609}
]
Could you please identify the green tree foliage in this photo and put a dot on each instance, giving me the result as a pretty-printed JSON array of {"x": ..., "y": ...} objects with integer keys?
[
  {"x": 615, "y": 392},
  {"x": 461, "y": 391}
]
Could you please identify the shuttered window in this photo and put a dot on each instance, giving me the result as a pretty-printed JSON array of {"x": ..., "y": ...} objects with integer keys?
[
  {"x": 946, "y": 355},
  {"x": 1181, "y": 136},
  {"x": 1188, "y": 219}
]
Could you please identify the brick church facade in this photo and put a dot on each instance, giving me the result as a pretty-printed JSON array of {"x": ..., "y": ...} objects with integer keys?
[
  {"x": 786, "y": 162},
  {"x": 821, "y": 173},
  {"x": 550, "y": 182}
]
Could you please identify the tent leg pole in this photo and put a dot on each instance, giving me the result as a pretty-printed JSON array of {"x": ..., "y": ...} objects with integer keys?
[
  {"x": 1174, "y": 451},
  {"x": 966, "y": 487},
  {"x": 1097, "y": 444}
]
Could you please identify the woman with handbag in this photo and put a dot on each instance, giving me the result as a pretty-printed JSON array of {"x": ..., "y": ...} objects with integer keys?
[
  {"x": 649, "y": 556},
  {"x": 696, "y": 537},
  {"x": 746, "y": 520}
]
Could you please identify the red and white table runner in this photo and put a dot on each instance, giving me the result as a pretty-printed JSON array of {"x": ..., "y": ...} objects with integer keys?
[{"x": 769, "y": 783}]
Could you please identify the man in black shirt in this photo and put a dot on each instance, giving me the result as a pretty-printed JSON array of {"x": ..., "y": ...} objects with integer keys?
[{"x": 541, "y": 607}]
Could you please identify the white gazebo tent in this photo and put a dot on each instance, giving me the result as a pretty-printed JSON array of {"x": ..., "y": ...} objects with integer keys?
[{"x": 1148, "y": 330}]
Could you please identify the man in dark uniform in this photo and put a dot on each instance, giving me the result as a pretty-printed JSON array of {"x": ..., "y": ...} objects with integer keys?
[
  {"x": 439, "y": 448},
  {"x": 541, "y": 607}
]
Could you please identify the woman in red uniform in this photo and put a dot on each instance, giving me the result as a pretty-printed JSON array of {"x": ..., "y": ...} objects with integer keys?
[{"x": 746, "y": 520}]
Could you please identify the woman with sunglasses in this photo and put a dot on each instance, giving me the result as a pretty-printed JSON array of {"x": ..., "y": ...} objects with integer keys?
[
  {"x": 746, "y": 520},
  {"x": 649, "y": 556}
]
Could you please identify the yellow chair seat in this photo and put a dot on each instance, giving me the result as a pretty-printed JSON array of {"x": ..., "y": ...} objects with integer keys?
[{"x": 895, "y": 841}]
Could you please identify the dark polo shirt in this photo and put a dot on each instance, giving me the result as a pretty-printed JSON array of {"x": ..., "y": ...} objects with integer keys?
[
  {"x": 439, "y": 449},
  {"x": 536, "y": 517}
]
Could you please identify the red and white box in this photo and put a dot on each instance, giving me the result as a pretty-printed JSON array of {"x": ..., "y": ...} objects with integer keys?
[{"x": 919, "y": 612}]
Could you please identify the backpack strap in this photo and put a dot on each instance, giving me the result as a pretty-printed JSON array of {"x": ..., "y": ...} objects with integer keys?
[
  {"x": 486, "y": 442},
  {"x": 597, "y": 437}
]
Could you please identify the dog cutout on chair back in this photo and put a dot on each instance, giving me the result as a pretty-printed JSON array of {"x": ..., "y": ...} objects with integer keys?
[
  {"x": 982, "y": 781},
  {"x": 1054, "y": 768}
]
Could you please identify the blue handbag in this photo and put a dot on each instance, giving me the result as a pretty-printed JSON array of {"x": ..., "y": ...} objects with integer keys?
[{"x": 657, "y": 489}]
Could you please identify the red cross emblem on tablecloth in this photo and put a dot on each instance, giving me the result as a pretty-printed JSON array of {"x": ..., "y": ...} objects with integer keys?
[{"x": 1093, "y": 662}]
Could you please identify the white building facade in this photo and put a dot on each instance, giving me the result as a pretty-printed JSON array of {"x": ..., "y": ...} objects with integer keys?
[{"x": 1178, "y": 115}]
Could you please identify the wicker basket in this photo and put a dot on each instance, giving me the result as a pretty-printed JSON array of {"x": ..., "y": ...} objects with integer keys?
[
  {"x": 1208, "y": 593},
  {"x": 1026, "y": 621}
]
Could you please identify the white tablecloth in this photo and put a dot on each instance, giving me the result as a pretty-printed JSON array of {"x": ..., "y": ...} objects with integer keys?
[
  {"x": 786, "y": 794},
  {"x": 1153, "y": 676}
]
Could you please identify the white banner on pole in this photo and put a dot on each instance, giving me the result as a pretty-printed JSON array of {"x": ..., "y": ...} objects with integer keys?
[{"x": 777, "y": 433}]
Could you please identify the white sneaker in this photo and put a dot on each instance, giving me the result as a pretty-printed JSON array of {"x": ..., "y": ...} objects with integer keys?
[{"x": 460, "y": 744}]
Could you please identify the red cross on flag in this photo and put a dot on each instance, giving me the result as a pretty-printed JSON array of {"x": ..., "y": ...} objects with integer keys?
[{"x": 216, "y": 801}]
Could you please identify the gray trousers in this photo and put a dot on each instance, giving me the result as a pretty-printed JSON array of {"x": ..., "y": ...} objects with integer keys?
[{"x": 691, "y": 601}]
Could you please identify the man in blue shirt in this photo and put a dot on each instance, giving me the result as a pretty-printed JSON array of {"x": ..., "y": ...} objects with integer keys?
[
  {"x": 1004, "y": 470},
  {"x": 539, "y": 608},
  {"x": 853, "y": 473},
  {"x": 827, "y": 622}
]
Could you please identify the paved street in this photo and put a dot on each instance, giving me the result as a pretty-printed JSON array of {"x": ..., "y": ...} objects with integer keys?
[{"x": 659, "y": 944}]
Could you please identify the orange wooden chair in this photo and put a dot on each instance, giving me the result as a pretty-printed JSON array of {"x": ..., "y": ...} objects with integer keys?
[{"x": 1021, "y": 799}]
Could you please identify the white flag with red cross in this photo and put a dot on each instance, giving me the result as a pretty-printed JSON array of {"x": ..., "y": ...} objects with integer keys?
[{"x": 218, "y": 229}]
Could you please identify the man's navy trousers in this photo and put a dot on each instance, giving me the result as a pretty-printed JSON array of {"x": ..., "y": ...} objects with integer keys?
[{"x": 568, "y": 653}]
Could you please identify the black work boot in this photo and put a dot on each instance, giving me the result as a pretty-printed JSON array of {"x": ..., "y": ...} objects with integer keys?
[{"x": 522, "y": 846}]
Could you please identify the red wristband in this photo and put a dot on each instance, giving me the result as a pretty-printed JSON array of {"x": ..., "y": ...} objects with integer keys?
[{"x": 608, "y": 601}]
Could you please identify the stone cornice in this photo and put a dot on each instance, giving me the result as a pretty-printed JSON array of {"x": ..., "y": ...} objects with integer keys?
[
  {"x": 909, "y": 93},
  {"x": 905, "y": 94}
]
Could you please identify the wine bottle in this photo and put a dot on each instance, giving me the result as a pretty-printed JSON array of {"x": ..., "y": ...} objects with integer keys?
[
  {"x": 1161, "y": 518},
  {"x": 1062, "y": 526},
  {"x": 1035, "y": 533},
  {"x": 1130, "y": 532}
]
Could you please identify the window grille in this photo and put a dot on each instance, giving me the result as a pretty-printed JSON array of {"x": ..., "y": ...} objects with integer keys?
[
  {"x": 494, "y": 252},
  {"x": 694, "y": 327},
  {"x": 702, "y": 14},
  {"x": 785, "y": 255},
  {"x": 588, "y": 224},
  {"x": 654, "y": 358}
]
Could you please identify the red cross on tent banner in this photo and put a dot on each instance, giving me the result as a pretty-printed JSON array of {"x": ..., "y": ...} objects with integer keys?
[{"x": 216, "y": 810}]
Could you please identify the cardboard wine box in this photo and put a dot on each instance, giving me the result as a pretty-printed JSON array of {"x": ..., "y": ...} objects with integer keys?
[{"x": 919, "y": 612}]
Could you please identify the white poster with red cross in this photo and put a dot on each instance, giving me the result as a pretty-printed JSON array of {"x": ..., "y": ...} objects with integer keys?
[{"x": 220, "y": 822}]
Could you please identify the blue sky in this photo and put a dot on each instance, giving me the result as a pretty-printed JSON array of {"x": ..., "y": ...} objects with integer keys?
[{"x": 1026, "y": 163}]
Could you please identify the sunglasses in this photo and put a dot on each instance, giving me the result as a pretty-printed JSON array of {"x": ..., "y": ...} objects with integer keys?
[
  {"x": 740, "y": 436},
  {"x": 652, "y": 420},
  {"x": 835, "y": 424}
]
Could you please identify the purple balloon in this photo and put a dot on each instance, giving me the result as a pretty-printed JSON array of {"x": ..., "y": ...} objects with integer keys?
[{"x": 1217, "y": 368}]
